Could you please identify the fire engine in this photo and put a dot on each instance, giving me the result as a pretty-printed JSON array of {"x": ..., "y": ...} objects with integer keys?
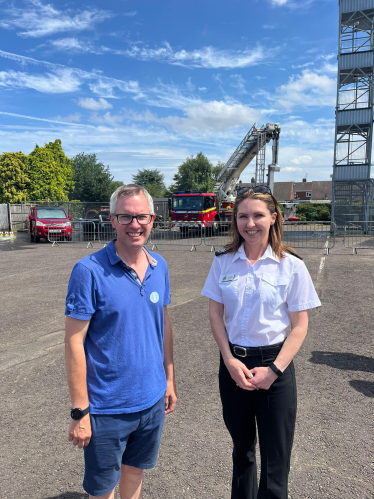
[{"x": 198, "y": 209}]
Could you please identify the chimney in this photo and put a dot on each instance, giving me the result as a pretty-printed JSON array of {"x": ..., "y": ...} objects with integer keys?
[
  {"x": 253, "y": 180},
  {"x": 304, "y": 179}
]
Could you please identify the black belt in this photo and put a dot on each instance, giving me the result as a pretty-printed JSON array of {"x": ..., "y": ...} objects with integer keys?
[{"x": 240, "y": 351}]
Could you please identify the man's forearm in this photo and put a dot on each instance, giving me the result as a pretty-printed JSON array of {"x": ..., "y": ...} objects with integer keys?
[{"x": 76, "y": 374}]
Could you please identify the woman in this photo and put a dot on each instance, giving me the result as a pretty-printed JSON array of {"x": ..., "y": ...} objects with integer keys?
[{"x": 261, "y": 286}]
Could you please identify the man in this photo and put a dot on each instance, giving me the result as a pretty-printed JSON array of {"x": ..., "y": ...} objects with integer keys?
[{"x": 119, "y": 352}]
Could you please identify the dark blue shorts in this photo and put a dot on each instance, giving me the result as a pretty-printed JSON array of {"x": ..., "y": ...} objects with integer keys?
[{"x": 130, "y": 439}]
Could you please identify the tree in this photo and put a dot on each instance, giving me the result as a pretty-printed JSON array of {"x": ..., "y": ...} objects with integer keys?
[
  {"x": 13, "y": 177},
  {"x": 195, "y": 174},
  {"x": 92, "y": 179},
  {"x": 152, "y": 180},
  {"x": 50, "y": 173},
  {"x": 217, "y": 169}
]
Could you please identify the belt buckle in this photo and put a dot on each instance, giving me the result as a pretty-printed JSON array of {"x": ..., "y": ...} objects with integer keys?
[{"x": 242, "y": 348}]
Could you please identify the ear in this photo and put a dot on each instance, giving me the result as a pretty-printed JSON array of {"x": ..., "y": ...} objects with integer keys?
[{"x": 273, "y": 218}]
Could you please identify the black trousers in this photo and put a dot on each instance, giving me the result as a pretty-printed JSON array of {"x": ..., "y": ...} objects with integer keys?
[{"x": 274, "y": 411}]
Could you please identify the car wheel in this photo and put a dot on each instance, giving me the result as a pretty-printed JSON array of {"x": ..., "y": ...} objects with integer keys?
[
  {"x": 36, "y": 238},
  {"x": 68, "y": 238}
]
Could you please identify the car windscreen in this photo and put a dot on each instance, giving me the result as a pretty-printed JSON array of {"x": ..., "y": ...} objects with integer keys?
[
  {"x": 48, "y": 213},
  {"x": 192, "y": 203}
]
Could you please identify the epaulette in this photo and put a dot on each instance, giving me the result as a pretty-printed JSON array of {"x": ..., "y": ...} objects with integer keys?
[
  {"x": 294, "y": 254},
  {"x": 221, "y": 252}
]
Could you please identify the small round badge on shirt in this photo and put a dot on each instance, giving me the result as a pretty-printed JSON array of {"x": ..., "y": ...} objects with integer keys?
[{"x": 154, "y": 297}]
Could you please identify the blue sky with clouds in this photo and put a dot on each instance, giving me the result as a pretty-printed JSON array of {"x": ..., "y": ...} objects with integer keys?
[{"x": 145, "y": 84}]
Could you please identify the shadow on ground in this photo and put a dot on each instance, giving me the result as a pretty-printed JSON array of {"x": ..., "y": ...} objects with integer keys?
[
  {"x": 348, "y": 362},
  {"x": 70, "y": 495},
  {"x": 344, "y": 361}
]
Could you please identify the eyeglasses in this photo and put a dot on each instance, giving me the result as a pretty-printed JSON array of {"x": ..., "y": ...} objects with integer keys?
[
  {"x": 259, "y": 189},
  {"x": 142, "y": 219}
]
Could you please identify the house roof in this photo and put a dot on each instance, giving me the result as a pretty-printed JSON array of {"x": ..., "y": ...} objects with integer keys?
[
  {"x": 302, "y": 186},
  {"x": 322, "y": 189},
  {"x": 283, "y": 191}
]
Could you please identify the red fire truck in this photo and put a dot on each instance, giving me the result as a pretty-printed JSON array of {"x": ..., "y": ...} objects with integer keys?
[{"x": 196, "y": 209}]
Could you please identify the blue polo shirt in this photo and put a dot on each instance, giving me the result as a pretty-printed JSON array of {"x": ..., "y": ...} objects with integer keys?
[{"x": 124, "y": 342}]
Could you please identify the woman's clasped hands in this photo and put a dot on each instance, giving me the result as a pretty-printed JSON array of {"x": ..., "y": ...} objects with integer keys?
[{"x": 257, "y": 378}]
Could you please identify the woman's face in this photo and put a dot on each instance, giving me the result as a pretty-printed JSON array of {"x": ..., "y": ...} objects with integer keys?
[{"x": 254, "y": 220}]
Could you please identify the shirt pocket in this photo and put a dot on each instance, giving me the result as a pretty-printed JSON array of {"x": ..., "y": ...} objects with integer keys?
[
  {"x": 273, "y": 288},
  {"x": 229, "y": 289}
]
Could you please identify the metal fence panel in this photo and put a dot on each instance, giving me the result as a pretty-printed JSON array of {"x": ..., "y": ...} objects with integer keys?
[
  {"x": 83, "y": 231},
  {"x": 317, "y": 235},
  {"x": 169, "y": 234},
  {"x": 105, "y": 232},
  {"x": 359, "y": 235}
]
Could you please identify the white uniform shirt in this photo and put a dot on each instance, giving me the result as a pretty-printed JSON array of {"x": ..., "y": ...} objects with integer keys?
[{"x": 258, "y": 298}]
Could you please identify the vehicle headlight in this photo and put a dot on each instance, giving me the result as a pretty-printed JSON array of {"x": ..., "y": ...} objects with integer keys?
[
  {"x": 40, "y": 224},
  {"x": 68, "y": 224}
]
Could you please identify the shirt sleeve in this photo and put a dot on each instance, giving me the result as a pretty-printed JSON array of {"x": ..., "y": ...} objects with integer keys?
[
  {"x": 211, "y": 287},
  {"x": 81, "y": 296},
  {"x": 301, "y": 294},
  {"x": 167, "y": 298}
]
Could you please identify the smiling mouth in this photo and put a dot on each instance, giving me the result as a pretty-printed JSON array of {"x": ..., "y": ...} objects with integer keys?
[
  {"x": 134, "y": 234},
  {"x": 251, "y": 232}
]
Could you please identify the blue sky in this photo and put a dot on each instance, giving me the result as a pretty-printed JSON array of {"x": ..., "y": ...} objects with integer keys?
[{"x": 146, "y": 84}]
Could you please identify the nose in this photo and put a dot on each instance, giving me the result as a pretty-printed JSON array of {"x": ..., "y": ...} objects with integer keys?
[{"x": 134, "y": 223}]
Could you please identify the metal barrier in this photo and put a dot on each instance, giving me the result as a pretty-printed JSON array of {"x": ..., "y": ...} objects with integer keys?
[
  {"x": 105, "y": 232},
  {"x": 185, "y": 234},
  {"x": 359, "y": 235},
  {"x": 315, "y": 235},
  {"x": 217, "y": 236},
  {"x": 81, "y": 231}
]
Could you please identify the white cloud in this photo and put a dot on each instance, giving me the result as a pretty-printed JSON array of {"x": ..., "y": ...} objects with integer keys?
[
  {"x": 238, "y": 82},
  {"x": 214, "y": 115},
  {"x": 302, "y": 160},
  {"x": 132, "y": 13},
  {"x": 75, "y": 45},
  {"x": 307, "y": 90},
  {"x": 206, "y": 57},
  {"x": 292, "y": 169},
  {"x": 93, "y": 105},
  {"x": 71, "y": 118},
  {"x": 52, "y": 120},
  {"x": 62, "y": 81},
  {"x": 38, "y": 19}
]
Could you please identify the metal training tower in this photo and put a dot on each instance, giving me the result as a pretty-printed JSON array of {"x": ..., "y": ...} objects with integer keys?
[{"x": 352, "y": 188}]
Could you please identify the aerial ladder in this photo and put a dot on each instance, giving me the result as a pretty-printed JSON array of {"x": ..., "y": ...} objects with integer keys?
[
  {"x": 253, "y": 145},
  {"x": 191, "y": 209}
]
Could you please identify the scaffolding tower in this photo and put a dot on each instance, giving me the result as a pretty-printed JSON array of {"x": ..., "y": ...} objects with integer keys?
[{"x": 352, "y": 187}]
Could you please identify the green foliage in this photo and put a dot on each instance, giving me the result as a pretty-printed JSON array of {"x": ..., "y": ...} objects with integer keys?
[
  {"x": 92, "y": 179},
  {"x": 50, "y": 173},
  {"x": 13, "y": 177},
  {"x": 217, "y": 169},
  {"x": 314, "y": 211},
  {"x": 195, "y": 174},
  {"x": 152, "y": 180}
]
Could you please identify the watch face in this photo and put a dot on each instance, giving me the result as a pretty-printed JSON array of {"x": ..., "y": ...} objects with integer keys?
[{"x": 76, "y": 414}]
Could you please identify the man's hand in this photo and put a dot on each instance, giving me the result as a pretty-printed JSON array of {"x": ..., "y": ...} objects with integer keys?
[
  {"x": 80, "y": 431},
  {"x": 240, "y": 374},
  {"x": 263, "y": 378},
  {"x": 170, "y": 397}
]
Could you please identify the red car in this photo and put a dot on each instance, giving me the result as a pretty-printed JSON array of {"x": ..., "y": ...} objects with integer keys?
[{"x": 49, "y": 222}]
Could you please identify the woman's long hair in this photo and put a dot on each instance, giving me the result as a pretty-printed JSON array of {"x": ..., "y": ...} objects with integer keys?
[{"x": 275, "y": 232}]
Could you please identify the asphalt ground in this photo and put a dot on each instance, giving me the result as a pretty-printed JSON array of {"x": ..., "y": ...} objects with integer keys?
[{"x": 333, "y": 449}]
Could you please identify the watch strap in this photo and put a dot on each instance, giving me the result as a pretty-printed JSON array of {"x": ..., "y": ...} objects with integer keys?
[
  {"x": 82, "y": 412},
  {"x": 277, "y": 371}
]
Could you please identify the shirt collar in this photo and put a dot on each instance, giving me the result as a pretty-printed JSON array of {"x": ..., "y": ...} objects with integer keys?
[
  {"x": 114, "y": 258},
  {"x": 268, "y": 254}
]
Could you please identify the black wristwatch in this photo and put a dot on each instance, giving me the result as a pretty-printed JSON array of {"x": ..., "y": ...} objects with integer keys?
[
  {"x": 277, "y": 371},
  {"x": 78, "y": 413}
]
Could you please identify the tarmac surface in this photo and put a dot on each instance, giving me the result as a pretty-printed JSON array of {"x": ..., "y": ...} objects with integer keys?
[{"x": 333, "y": 448}]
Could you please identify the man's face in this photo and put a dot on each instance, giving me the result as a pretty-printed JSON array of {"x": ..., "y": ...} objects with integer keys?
[{"x": 132, "y": 235}]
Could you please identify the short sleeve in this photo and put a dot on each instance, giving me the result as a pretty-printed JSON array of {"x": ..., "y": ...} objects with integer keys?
[
  {"x": 167, "y": 299},
  {"x": 301, "y": 294},
  {"x": 81, "y": 295},
  {"x": 211, "y": 287}
]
